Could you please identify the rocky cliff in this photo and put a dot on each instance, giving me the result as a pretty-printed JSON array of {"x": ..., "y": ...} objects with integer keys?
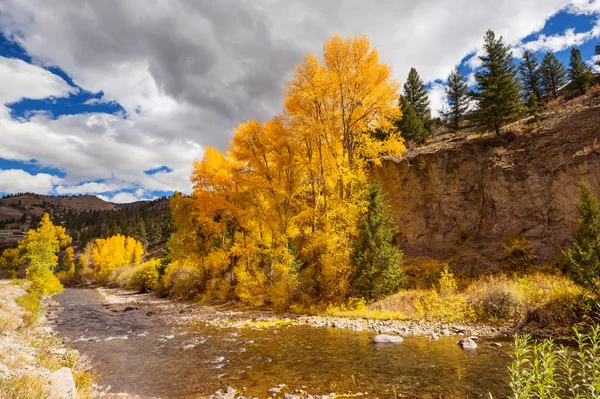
[{"x": 459, "y": 199}]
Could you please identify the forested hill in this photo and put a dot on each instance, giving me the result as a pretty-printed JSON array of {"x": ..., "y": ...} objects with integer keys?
[{"x": 85, "y": 217}]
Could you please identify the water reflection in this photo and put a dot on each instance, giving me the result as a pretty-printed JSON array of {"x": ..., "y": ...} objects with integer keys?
[{"x": 184, "y": 362}]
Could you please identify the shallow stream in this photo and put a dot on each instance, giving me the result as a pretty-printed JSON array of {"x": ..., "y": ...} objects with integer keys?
[{"x": 139, "y": 353}]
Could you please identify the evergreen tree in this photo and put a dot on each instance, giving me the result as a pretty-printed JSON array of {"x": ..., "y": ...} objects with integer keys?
[
  {"x": 416, "y": 94},
  {"x": 597, "y": 54},
  {"x": 458, "y": 99},
  {"x": 410, "y": 126},
  {"x": 553, "y": 74},
  {"x": 530, "y": 74},
  {"x": 584, "y": 257},
  {"x": 376, "y": 259},
  {"x": 498, "y": 92},
  {"x": 532, "y": 104},
  {"x": 579, "y": 72}
]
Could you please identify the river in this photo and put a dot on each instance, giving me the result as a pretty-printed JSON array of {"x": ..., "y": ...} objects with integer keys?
[{"x": 158, "y": 349}]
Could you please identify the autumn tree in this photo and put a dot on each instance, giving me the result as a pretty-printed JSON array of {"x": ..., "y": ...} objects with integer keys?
[
  {"x": 40, "y": 250},
  {"x": 416, "y": 94},
  {"x": 377, "y": 261},
  {"x": 274, "y": 218},
  {"x": 579, "y": 72},
  {"x": 553, "y": 74},
  {"x": 530, "y": 74},
  {"x": 498, "y": 94},
  {"x": 11, "y": 261},
  {"x": 111, "y": 253},
  {"x": 457, "y": 98}
]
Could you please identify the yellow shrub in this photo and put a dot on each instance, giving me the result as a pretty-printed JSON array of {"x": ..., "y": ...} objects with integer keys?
[
  {"x": 422, "y": 272},
  {"x": 447, "y": 283},
  {"x": 518, "y": 252},
  {"x": 183, "y": 279},
  {"x": 146, "y": 276}
]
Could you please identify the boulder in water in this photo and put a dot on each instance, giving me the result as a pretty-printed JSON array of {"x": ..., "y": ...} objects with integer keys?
[
  {"x": 387, "y": 339},
  {"x": 467, "y": 343}
]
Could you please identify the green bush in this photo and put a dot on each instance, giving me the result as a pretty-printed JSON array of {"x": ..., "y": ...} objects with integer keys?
[{"x": 543, "y": 369}]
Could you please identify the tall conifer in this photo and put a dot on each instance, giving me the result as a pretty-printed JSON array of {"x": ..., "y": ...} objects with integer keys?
[
  {"x": 498, "y": 92},
  {"x": 553, "y": 74}
]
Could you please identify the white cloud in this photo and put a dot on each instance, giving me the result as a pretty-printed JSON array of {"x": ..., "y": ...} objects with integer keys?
[
  {"x": 437, "y": 96},
  {"x": 584, "y": 7},
  {"x": 89, "y": 188},
  {"x": 23, "y": 80},
  {"x": 124, "y": 198},
  {"x": 17, "y": 180},
  {"x": 187, "y": 72},
  {"x": 555, "y": 43}
]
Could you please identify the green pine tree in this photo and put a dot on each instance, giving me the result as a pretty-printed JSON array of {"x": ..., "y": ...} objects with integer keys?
[
  {"x": 416, "y": 94},
  {"x": 378, "y": 271},
  {"x": 457, "y": 97},
  {"x": 530, "y": 74},
  {"x": 584, "y": 257},
  {"x": 410, "y": 125},
  {"x": 553, "y": 74},
  {"x": 532, "y": 104},
  {"x": 579, "y": 72},
  {"x": 498, "y": 92},
  {"x": 597, "y": 54}
]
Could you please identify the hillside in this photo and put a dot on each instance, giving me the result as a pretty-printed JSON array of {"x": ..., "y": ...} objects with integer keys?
[
  {"x": 460, "y": 199},
  {"x": 85, "y": 217}
]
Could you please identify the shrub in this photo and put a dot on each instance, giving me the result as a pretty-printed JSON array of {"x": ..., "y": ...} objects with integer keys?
[
  {"x": 422, "y": 272},
  {"x": 495, "y": 298},
  {"x": 542, "y": 369},
  {"x": 183, "y": 279},
  {"x": 146, "y": 276},
  {"x": 518, "y": 252},
  {"x": 447, "y": 283}
]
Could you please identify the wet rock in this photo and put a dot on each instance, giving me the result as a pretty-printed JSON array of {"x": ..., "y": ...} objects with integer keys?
[
  {"x": 467, "y": 343},
  {"x": 387, "y": 339},
  {"x": 62, "y": 384}
]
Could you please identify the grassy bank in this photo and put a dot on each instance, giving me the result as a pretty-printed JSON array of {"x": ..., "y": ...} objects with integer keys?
[
  {"x": 29, "y": 353},
  {"x": 539, "y": 300}
]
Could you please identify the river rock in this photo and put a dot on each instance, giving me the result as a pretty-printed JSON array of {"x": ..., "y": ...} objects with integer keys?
[
  {"x": 62, "y": 384},
  {"x": 387, "y": 339},
  {"x": 467, "y": 343}
]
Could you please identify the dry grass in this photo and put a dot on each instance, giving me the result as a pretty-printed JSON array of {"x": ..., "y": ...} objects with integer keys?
[
  {"x": 24, "y": 387},
  {"x": 543, "y": 298}
]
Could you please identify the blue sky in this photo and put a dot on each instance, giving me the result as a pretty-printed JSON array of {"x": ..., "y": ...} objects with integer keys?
[{"x": 117, "y": 99}]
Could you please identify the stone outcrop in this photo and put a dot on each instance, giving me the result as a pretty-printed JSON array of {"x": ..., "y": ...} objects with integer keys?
[{"x": 460, "y": 199}]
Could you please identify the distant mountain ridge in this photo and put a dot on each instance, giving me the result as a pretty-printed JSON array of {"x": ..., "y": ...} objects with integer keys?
[{"x": 85, "y": 217}]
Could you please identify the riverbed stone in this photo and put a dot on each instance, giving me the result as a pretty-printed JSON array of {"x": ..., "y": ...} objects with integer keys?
[
  {"x": 387, "y": 339},
  {"x": 467, "y": 343},
  {"x": 62, "y": 384}
]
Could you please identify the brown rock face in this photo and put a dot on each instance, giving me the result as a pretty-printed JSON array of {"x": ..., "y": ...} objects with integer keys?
[{"x": 459, "y": 200}]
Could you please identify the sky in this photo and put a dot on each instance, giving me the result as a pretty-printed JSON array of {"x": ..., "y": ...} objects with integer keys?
[{"x": 116, "y": 98}]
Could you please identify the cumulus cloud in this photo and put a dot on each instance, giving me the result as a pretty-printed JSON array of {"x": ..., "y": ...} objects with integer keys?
[
  {"x": 555, "y": 43},
  {"x": 23, "y": 80},
  {"x": 186, "y": 73},
  {"x": 17, "y": 180}
]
